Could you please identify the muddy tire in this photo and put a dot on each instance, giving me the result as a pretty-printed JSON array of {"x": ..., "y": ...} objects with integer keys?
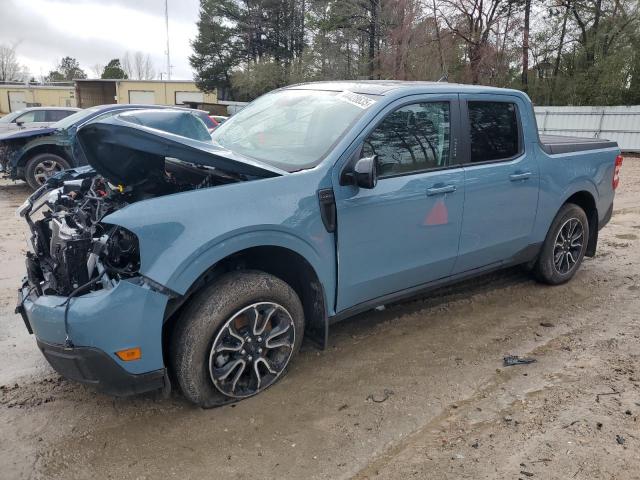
[
  {"x": 564, "y": 248},
  {"x": 236, "y": 338},
  {"x": 41, "y": 167}
]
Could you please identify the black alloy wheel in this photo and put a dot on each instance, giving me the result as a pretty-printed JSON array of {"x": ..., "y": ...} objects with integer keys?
[
  {"x": 564, "y": 247},
  {"x": 252, "y": 349},
  {"x": 568, "y": 246}
]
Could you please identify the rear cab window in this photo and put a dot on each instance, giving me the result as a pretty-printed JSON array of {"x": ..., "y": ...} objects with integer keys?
[{"x": 494, "y": 131}]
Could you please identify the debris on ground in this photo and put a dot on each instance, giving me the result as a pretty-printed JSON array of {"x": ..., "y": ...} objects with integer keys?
[
  {"x": 571, "y": 424},
  {"x": 620, "y": 439},
  {"x": 547, "y": 324},
  {"x": 511, "y": 360},
  {"x": 598, "y": 395},
  {"x": 384, "y": 398}
]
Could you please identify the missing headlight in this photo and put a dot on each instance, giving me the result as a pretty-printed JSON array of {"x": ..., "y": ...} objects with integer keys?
[{"x": 121, "y": 254}]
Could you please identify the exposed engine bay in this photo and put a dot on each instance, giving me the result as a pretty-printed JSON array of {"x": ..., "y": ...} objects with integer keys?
[{"x": 74, "y": 251}]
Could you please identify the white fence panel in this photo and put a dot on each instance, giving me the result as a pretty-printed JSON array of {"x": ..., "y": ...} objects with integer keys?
[{"x": 621, "y": 124}]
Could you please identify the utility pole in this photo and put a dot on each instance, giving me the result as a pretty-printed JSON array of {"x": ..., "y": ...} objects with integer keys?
[
  {"x": 166, "y": 21},
  {"x": 525, "y": 46}
]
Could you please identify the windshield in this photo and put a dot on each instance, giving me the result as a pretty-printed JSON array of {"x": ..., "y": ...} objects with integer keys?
[
  {"x": 76, "y": 117},
  {"x": 292, "y": 129},
  {"x": 11, "y": 116}
]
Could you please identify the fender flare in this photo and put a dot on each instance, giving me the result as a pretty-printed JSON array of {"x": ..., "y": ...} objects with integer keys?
[
  {"x": 188, "y": 276},
  {"x": 586, "y": 185},
  {"x": 581, "y": 185},
  {"x": 213, "y": 252}
]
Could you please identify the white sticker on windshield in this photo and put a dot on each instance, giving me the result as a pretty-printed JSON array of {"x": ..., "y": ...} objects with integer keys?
[{"x": 356, "y": 99}]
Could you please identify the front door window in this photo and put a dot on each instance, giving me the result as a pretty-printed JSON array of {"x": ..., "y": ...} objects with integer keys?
[{"x": 413, "y": 138}]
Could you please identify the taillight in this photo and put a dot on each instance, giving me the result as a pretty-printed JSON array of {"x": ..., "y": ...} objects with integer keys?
[{"x": 616, "y": 171}]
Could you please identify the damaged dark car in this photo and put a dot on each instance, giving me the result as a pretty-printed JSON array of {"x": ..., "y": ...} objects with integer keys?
[{"x": 35, "y": 154}]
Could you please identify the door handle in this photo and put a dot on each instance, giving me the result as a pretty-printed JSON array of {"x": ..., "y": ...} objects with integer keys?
[
  {"x": 514, "y": 177},
  {"x": 439, "y": 190}
]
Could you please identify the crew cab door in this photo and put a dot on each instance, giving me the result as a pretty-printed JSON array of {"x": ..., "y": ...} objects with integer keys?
[
  {"x": 403, "y": 232},
  {"x": 501, "y": 181}
]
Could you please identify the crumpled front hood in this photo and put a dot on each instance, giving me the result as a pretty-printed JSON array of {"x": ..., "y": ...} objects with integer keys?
[
  {"x": 27, "y": 133},
  {"x": 128, "y": 154}
]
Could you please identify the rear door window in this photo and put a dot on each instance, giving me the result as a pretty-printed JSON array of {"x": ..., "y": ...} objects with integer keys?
[
  {"x": 57, "y": 115},
  {"x": 494, "y": 131}
]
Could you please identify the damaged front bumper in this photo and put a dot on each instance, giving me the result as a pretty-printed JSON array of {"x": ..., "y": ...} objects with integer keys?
[
  {"x": 99, "y": 324},
  {"x": 94, "y": 367}
]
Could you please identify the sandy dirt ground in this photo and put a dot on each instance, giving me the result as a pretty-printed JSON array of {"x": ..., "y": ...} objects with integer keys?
[{"x": 416, "y": 391}]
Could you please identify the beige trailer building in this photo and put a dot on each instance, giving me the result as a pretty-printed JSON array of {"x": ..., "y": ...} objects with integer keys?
[
  {"x": 152, "y": 92},
  {"x": 15, "y": 97}
]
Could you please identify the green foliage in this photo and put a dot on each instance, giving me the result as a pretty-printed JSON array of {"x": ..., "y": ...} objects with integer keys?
[
  {"x": 217, "y": 47},
  {"x": 235, "y": 35},
  {"x": 580, "y": 52},
  {"x": 114, "y": 70},
  {"x": 55, "y": 76},
  {"x": 257, "y": 78},
  {"x": 68, "y": 69},
  {"x": 598, "y": 62}
]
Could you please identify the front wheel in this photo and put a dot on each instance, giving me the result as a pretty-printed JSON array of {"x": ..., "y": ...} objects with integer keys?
[
  {"x": 41, "y": 167},
  {"x": 236, "y": 338},
  {"x": 564, "y": 247}
]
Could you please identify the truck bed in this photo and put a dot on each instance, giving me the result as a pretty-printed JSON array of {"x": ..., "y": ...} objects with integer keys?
[{"x": 553, "y": 144}]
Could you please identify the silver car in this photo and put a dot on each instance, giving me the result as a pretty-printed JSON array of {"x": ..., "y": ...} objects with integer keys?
[{"x": 34, "y": 117}]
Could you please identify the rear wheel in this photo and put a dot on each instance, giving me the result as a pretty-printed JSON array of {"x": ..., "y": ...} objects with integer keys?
[
  {"x": 564, "y": 248},
  {"x": 41, "y": 167},
  {"x": 236, "y": 338}
]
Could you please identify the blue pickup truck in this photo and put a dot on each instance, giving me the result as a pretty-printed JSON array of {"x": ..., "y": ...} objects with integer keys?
[{"x": 205, "y": 264}]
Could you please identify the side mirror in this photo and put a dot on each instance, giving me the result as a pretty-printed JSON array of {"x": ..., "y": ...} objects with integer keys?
[
  {"x": 19, "y": 123},
  {"x": 365, "y": 172}
]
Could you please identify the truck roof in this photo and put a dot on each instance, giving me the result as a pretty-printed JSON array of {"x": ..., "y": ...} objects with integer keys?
[{"x": 386, "y": 87}]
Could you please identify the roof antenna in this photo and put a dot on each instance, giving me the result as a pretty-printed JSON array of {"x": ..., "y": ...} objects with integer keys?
[{"x": 444, "y": 78}]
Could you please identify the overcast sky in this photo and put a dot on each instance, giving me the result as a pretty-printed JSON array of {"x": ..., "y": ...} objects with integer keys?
[{"x": 95, "y": 31}]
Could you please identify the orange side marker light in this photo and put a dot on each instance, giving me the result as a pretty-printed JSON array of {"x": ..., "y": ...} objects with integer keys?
[{"x": 130, "y": 354}]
